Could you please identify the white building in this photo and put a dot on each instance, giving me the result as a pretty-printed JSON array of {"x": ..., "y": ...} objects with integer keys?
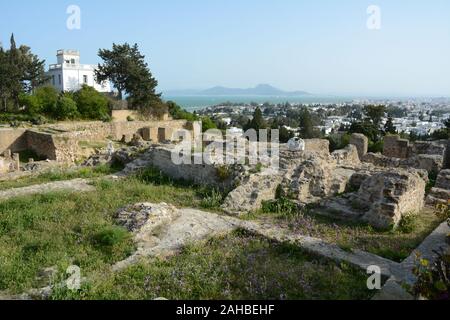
[{"x": 69, "y": 75}]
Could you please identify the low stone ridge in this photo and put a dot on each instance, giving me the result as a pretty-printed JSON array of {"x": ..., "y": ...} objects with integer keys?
[
  {"x": 162, "y": 229},
  {"x": 250, "y": 194},
  {"x": 440, "y": 194},
  {"x": 430, "y": 163},
  {"x": 76, "y": 185}
]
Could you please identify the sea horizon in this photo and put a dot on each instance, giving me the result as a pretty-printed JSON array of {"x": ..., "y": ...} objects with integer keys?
[{"x": 199, "y": 102}]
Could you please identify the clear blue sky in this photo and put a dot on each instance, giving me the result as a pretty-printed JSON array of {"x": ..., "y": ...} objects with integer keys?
[{"x": 321, "y": 46}]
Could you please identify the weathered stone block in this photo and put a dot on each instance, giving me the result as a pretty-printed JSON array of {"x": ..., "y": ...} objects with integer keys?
[
  {"x": 361, "y": 142},
  {"x": 347, "y": 157},
  {"x": 391, "y": 195},
  {"x": 395, "y": 147}
]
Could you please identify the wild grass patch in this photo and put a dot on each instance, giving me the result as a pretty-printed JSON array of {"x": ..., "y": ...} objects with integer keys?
[{"x": 237, "y": 266}]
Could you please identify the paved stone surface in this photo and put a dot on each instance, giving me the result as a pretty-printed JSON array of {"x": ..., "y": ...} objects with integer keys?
[
  {"x": 166, "y": 233},
  {"x": 78, "y": 185},
  {"x": 164, "y": 236}
]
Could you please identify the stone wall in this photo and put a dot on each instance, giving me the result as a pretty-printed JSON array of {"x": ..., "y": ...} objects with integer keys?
[
  {"x": 60, "y": 141},
  {"x": 95, "y": 131},
  {"x": 430, "y": 163},
  {"x": 202, "y": 174},
  {"x": 12, "y": 139},
  {"x": 395, "y": 147},
  {"x": 124, "y": 115},
  {"x": 391, "y": 195},
  {"x": 42, "y": 144},
  {"x": 319, "y": 146}
]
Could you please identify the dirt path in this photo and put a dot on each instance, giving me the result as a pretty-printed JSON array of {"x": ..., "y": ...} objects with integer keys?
[{"x": 76, "y": 185}]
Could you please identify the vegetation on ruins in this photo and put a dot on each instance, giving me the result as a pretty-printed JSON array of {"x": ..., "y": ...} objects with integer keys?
[
  {"x": 433, "y": 279},
  {"x": 178, "y": 113},
  {"x": 395, "y": 245},
  {"x": 235, "y": 266}
]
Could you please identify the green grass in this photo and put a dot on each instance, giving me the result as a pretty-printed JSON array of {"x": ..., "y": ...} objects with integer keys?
[
  {"x": 60, "y": 175},
  {"x": 237, "y": 266},
  {"x": 61, "y": 229},
  {"x": 395, "y": 245}
]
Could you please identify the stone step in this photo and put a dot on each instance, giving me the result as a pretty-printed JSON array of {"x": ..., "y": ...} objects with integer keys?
[{"x": 438, "y": 196}]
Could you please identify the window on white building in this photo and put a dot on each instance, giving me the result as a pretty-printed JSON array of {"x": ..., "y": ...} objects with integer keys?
[
  {"x": 85, "y": 79},
  {"x": 53, "y": 80},
  {"x": 59, "y": 78}
]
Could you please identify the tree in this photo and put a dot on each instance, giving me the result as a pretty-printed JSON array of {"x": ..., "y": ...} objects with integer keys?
[
  {"x": 306, "y": 124},
  {"x": 447, "y": 123},
  {"x": 91, "y": 104},
  {"x": 126, "y": 68},
  {"x": 15, "y": 72},
  {"x": 367, "y": 128},
  {"x": 257, "y": 121},
  {"x": 33, "y": 70},
  {"x": 375, "y": 113},
  {"x": 20, "y": 71},
  {"x": 178, "y": 113},
  {"x": 285, "y": 135},
  {"x": 389, "y": 126},
  {"x": 4, "y": 78}
]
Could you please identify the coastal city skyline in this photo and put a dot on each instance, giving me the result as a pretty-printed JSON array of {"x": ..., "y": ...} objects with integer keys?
[{"x": 323, "y": 48}]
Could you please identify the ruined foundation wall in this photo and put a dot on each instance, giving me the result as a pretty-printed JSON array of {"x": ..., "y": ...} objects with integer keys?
[
  {"x": 202, "y": 174},
  {"x": 42, "y": 144},
  {"x": 394, "y": 147},
  {"x": 12, "y": 139},
  {"x": 94, "y": 131}
]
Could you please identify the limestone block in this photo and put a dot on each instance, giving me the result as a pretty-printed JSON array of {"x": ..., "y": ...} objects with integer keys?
[
  {"x": 361, "y": 142},
  {"x": 391, "y": 195}
]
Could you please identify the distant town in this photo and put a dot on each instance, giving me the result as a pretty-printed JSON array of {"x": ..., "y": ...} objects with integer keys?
[{"x": 413, "y": 117}]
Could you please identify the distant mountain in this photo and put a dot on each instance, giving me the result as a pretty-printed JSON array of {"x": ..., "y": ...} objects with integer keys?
[{"x": 259, "y": 90}]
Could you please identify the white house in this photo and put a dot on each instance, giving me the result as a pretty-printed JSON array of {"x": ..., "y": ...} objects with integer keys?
[{"x": 69, "y": 75}]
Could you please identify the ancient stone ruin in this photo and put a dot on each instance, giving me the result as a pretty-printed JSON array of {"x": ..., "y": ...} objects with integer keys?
[{"x": 347, "y": 184}]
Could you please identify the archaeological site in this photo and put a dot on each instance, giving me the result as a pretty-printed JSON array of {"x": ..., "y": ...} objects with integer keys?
[{"x": 348, "y": 206}]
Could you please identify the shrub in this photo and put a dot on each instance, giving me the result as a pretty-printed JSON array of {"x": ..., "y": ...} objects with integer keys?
[
  {"x": 376, "y": 147},
  {"x": 281, "y": 205},
  {"x": 178, "y": 113},
  {"x": 212, "y": 199},
  {"x": 66, "y": 108},
  {"x": 38, "y": 120},
  {"x": 208, "y": 124},
  {"x": 31, "y": 103},
  {"x": 130, "y": 119},
  {"x": 91, "y": 104},
  {"x": 110, "y": 236},
  {"x": 408, "y": 223},
  {"x": 223, "y": 172},
  {"x": 47, "y": 98},
  {"x": 433, "y": 280}
]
